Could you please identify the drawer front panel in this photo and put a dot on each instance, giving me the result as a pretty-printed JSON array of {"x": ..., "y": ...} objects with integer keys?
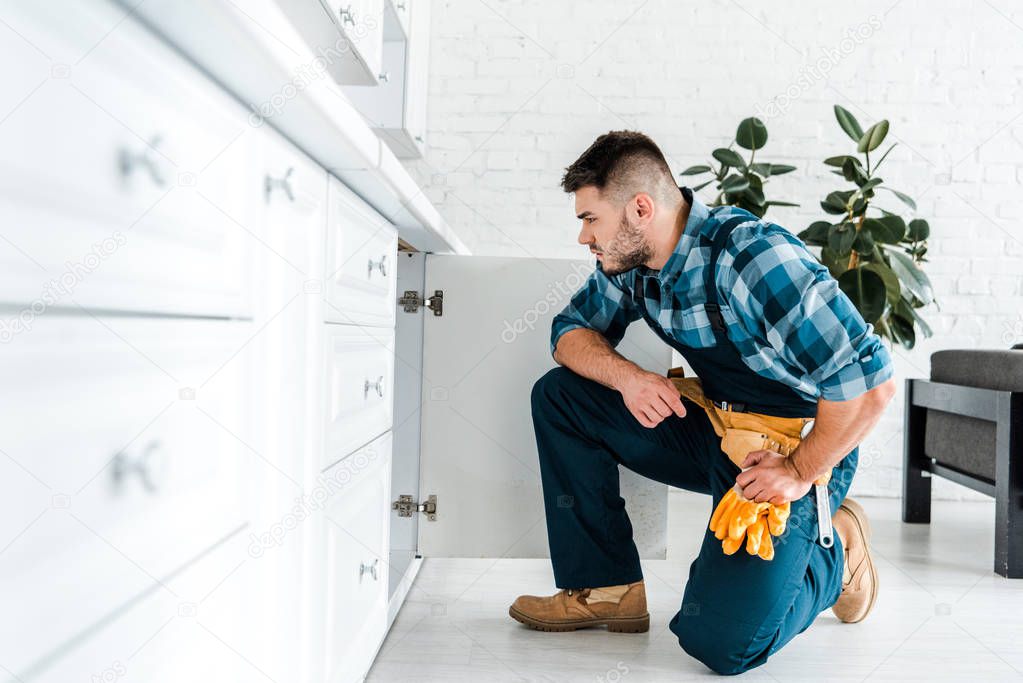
[
  {"x": 362, "y": 249},
  {"x": 129, "y": 447},
  {"x": 357, "y": 528},
  {"x": 125, "y": 177},
  {"x": 359, "y": 379}
]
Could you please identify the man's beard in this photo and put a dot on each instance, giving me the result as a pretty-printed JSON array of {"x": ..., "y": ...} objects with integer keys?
[{"x": 627, "y": 250}]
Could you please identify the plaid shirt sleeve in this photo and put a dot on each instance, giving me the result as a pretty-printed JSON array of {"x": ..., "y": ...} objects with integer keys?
[
  {"x": 601, "y": 304},
  {"x": 790, "y": 302}
]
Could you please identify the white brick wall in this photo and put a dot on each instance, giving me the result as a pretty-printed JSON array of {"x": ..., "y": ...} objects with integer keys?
[{"x": 518, "y": 88}]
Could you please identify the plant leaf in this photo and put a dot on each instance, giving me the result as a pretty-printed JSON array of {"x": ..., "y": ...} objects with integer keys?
[
  {"x": 816, "y": 234},
  {"x": 841, "y": 238},
  {"x": 728, "y": 157},
  {"x": 774, "y": 203},
  {"x": 890, "y": 279},
  {"x": 839, "y": 160},
  {"x": 702, "y": 185},
  {"x": 906, "y": 199},
  {"x": 919, "y": 230},
  {"x": 870, "y": 184},
  {"x": 755, "y": 196},
  {"x": 924, "y": 327},
  {"x": 751, "y": 134},
  {"x": 903, "y": 330},
  {"x": 852, "y": 170},
  {"x": 761, "y": 168},
  {"x": 864, "y": 242},
  {"x": 834, "y": 203},
  {"x": 866, "y": 290},
  {"x": 913, "y": 279},
  {"x": 779, "y": 169},
  {"x": 848, "y": 123},
  {"x": 887, "y": 229},
  {"x": 694, "y": 170},
  {"x": 873, "y": 138},
  {"x": 734, "y": 183}
]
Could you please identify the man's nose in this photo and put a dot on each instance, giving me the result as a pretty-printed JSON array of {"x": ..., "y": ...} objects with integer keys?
[{"x": 584, "y": 238}]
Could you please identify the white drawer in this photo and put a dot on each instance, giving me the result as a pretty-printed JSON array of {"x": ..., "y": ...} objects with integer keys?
[
  {"x": 130, "y": 452},
  {"x": 358, "y": 519},
  {"x": 125, "y": 175},
  {"x": 359, "y": 379},
  {"x": 189, "y": 631},
  {"x": 362, "y": 250}
]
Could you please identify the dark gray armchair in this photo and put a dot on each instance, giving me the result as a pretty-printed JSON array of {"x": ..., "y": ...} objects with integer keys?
[{"x": 966, "y": 424}]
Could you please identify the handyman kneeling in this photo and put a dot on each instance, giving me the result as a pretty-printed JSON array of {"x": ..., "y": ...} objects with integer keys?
[{"x": 790, "y": 379}]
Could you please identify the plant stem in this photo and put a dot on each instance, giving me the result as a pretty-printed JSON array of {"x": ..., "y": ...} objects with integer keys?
[{"x": 854, "y": 257}]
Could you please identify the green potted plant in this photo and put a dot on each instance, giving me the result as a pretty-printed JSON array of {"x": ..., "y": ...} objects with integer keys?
[
  {"x": 873, "y": 253},
  {"x": 740, "y": 182}
]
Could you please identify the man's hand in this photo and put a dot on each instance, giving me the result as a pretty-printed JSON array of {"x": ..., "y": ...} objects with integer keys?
[
  {"x": 651, "y": 397},
  {"x": 771, "y": 478}
]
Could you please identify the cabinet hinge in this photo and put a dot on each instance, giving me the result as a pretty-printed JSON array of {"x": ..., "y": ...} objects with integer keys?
[
  {"x": 411, "y": 301},
  {"x": 406, "y": 507}
]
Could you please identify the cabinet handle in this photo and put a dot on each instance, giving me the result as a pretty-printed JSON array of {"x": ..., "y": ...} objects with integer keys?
[
  {"x": 401, "y": 6},
  {"x": 124, "y": 466},
  {"x": 380, "y": 265},
  {"x": 284, "y": 183},
  {"x": 370, "y": 569},
  {"x": 128, "y": 161},
  {"x": 346, "y": 16},
  {"x": 378, "y": 385},
  {"x": 418, "y": 138},
  {"x": 385, "y": 77}
]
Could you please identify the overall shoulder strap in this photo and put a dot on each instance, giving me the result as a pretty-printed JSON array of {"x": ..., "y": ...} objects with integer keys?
[{"x": 717, "y": 321}]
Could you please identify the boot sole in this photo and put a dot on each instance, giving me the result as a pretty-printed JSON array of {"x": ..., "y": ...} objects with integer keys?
[
  {"x": 859, "y": 515},
  {"x": 614, "y": 624}
]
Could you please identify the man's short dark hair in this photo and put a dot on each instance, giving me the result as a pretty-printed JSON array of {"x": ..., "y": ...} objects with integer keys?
[{"x": 621, "y": 164}]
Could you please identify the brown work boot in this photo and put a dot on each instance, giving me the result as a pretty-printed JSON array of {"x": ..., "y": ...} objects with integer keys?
[
  {"x": 859, "y": 577},
  {"x": 621, "y": 608}
]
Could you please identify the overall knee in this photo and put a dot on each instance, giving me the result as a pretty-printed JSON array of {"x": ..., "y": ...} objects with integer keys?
[
  {"x": 546, "y": 389},
  {"x": 718, "y": 645}
]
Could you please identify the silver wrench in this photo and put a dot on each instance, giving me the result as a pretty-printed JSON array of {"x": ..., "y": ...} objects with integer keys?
[{"x": 825, "y": 531}]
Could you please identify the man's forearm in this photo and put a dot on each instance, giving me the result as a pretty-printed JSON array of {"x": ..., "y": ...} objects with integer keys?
[
  {"x": 588, "y": 353},
  {"x": 838, "y": 428}
]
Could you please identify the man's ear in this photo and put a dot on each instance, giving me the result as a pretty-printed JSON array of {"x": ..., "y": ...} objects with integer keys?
[{"x": 644, "y": 207}]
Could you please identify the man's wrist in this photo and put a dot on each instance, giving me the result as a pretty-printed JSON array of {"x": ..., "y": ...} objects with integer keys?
[{"x": 798, "y": 469}]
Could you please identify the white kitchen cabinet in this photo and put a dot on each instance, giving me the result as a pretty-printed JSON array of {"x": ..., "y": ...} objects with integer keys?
[
  {"x": 199, "y": 480},
  {"x": 346, "y": 34},
  {"x": 396, "y": 108}
]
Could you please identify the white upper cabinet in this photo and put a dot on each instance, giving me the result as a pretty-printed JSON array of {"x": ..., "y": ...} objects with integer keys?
[
  {"x": 346, "y": 34},
  {"x": 396, "y": 108}
]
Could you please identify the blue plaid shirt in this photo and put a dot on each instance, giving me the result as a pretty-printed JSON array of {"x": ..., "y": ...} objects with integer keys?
[{"x": 783, "y": 310}]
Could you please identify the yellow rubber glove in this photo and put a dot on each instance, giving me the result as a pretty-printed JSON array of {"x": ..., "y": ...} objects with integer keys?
[{"x": 737, "y": 518}]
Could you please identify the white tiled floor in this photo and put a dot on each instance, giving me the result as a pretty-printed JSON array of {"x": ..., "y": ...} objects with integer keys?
[{"x": 941, "y": 614}]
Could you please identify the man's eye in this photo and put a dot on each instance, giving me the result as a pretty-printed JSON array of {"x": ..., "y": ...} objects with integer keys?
[{"x": 591, "y": 219}]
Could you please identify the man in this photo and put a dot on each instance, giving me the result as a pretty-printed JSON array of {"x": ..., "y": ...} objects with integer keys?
[{"x": 768, "y": 331}]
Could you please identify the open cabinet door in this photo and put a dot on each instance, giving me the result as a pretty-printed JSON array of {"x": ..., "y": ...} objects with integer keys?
[{"x": 480, "y": 359}]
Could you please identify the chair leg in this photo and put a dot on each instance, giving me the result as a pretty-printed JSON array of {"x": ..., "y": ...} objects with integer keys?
[
  {"x": 1009, "y": 487},
  {"x": 916, "y": 476}
]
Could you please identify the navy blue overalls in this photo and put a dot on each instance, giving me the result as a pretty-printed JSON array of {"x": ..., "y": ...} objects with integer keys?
[{"x": 736, "y": 609}]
